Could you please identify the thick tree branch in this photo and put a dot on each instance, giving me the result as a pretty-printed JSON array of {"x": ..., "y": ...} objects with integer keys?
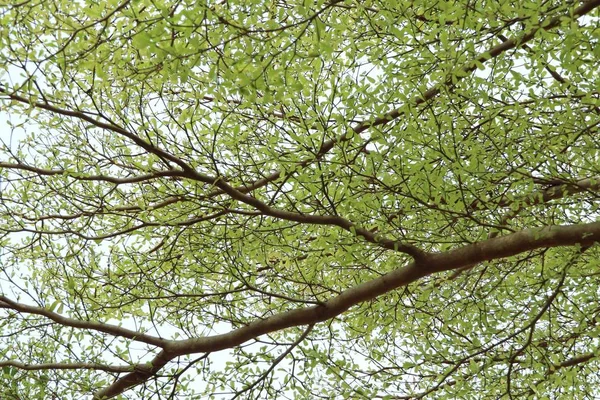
[
  {"x": 506, "y": 246},
  {"x": 134, "y": 378},
  {"x": 425, "y": 264}
]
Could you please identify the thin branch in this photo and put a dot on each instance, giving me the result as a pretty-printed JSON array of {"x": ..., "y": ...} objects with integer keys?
[
  {"x": 150, "y": 148},
  {"x": 452, "y": 79},
  {"x": 220, "y": 182},
  {"x": 275, "y": 362},
  {"x": 108, "y": 211},
  {"x": 547, "y": 195}
]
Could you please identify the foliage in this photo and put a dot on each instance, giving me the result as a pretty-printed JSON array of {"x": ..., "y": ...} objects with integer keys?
[{"x": 304, "y": 199}]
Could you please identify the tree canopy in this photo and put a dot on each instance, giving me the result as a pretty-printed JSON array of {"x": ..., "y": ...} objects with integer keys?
[{"x": 302, "y": 199}]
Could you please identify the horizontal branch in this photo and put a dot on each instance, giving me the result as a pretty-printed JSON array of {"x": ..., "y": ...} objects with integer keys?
[
  {"x": 546, "y": 195},
  {"x": 187, "y": 222},
  {"x": 118, "y": 369},
  {"x": 556, "y": 192},
  {"x": 113, "y": 330},
  {"x": 82, "y": 177},
  {"x": 107, "y": 211}
]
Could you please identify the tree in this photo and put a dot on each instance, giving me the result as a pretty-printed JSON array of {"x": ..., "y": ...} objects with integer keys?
[{"x": 303, "y": 199}]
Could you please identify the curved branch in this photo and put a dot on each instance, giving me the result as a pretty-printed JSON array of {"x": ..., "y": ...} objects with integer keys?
[
  {"x": 190, "y": 173},
  {"x": 150, "y": 148},
  {"x": 220, "y": 182}
]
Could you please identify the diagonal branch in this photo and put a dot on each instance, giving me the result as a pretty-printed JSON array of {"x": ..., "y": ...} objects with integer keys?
[
  {"x": 240, "y": 195},
  {"x": 150, "y": 148},
  {"x": 450, "y": 82},
  {"x": 275, "y": 362}
]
